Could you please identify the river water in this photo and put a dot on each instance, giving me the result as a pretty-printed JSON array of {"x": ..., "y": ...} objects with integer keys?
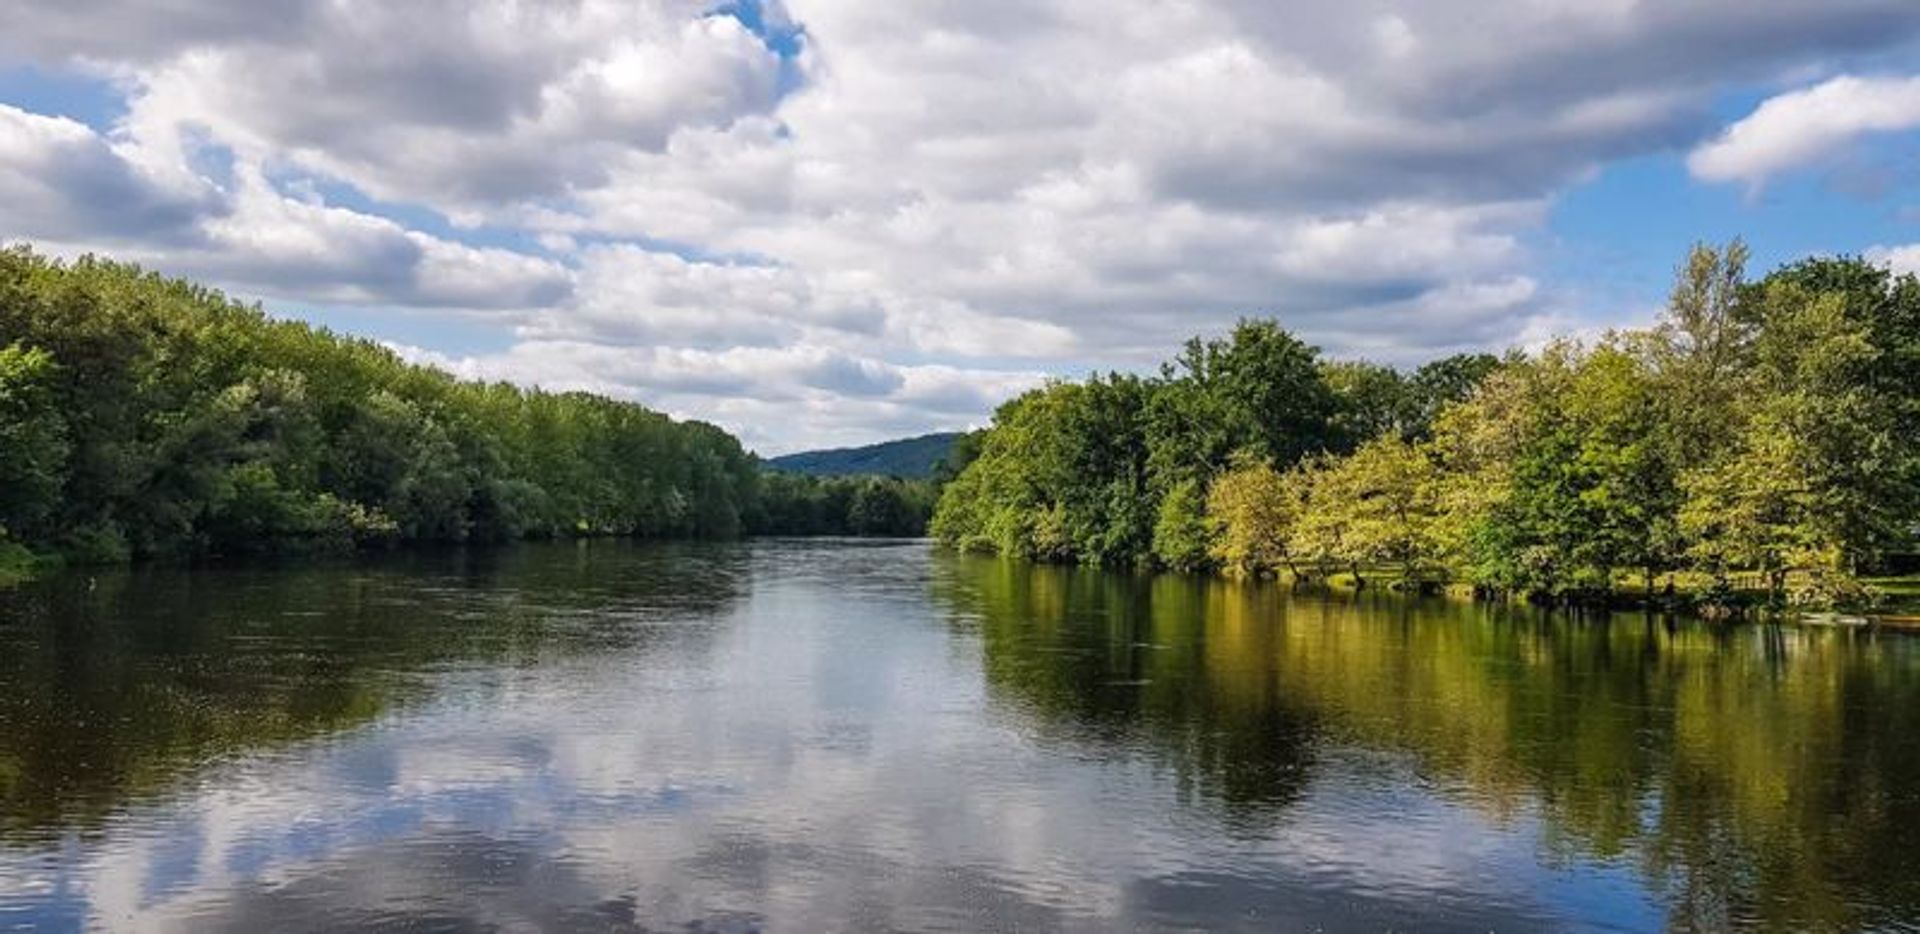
[{"x": 807, "y": 736}]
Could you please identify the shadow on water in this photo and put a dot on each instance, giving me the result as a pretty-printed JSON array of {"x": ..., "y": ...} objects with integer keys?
[
  {"x": 1756, "y": 776},
  {"x": 118, "y": 682}
]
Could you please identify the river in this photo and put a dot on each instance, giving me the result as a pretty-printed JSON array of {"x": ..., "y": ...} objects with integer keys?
[{"x": 837, "y": 735}]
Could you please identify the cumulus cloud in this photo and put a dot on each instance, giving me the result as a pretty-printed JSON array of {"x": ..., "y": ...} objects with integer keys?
[
  {"x": 834, "y": 220},
  {"x": 1903, "y": 260},
  {"x": 466, "y": 105},
  {"x": 112, "y": 31},
  {"x": 1153, "y": 171},
  {"x": 277, "y": 244},
  {"x": 59, "y": 180},
  {"x": 1802, "y": 127},
  {"x": 779, "y": 398},
  {"x": 639, "y": 295},
  {"x": 64, "y": 184}
]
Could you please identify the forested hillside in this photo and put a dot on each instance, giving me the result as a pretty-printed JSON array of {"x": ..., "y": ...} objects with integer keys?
[
  {"x": 144, "y": 416},
  {"x": 909, "y": 458},
  {"x": 1765, "y": 431}
]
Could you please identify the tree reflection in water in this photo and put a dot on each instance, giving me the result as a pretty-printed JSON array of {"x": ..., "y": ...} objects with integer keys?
[
  {"x": 1754, "y": 775},
  {"x": 118, "y": 683}
]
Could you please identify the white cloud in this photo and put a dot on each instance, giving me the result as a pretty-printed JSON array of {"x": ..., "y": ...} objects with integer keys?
[
  {"x": 649, "y": 296},
  {"x": 276, "y": 244},
  {"x": 1802, "y": 127},
  {"x": 926, "y": 192},
  {"x": 1903, "y": 260},
  {"x": 59, "y": 180},
  {"x": 465, "y": 105},
  {"x": 67, "y": 186},
  {"x": 782, "y": 398}
]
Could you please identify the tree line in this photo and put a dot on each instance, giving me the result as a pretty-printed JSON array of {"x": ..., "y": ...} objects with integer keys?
[
  {"x": 806, "y": 504},
  {"x": 143, "y": 416},
  {"x": 1764, "y": 431}
]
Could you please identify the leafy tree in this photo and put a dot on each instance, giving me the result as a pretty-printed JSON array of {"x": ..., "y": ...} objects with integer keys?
[
  {"x": 1394, "y": 506},
  {"x": 1261, "y": 389},
  {"x": 1627, "y": 466},
  {"x": 1509, "y": 491},
  {"x": 1373, "y": 401},
  {"x": 881, "y": 508},
  {"x": 1701, "y": 343},
  {"x": 1442, "y": 383},
  {"x": 1323, "y": 530},
  {"x": 33, "y": 440},
  {"x": 1062, "y": 475},
  {"x": 1771, "y": 427},
  {"x": 1253, "y": 509},
  {"x": 965, "y": 450},
  {"x": 141, "y": 415},
  {"x": 1882, "y": 311},
  {"x": 1182, "y": 535},
  {"x": 1811, "y": 480}
]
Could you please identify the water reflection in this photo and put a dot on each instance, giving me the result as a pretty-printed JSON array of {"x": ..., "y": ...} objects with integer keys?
[
  {"x": 113, "y": 684},
  {"x": 811, "y": 736},
  {"x": 1753, "y": 776}
]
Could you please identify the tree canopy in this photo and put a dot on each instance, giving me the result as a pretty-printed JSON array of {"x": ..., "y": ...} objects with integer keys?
[
  {"x": 141, "y": 415},
  {"x": 1767, "y": 428}
]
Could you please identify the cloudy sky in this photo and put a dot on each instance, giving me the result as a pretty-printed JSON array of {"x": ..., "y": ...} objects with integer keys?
[{"x": 819, "y": 222}]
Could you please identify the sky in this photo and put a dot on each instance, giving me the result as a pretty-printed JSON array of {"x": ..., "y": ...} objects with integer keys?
[{"x": 830, "y": 222}]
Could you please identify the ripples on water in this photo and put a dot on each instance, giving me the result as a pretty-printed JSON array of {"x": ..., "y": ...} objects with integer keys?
[{"x": 812, "y": 735}]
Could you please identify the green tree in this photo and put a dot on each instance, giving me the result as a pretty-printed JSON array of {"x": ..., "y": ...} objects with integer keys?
[
  {"x": 1701, "y": 344},
  {"x": 1061, "y": 475},
  {"x": 1323, "y": 530},
  {"x": 1373, "y": 401},
  {"x": 145, "y": 415},
  {"x": 1442, "y": 383},
  {"x": 1253, "y": 510},
  {"x": 1806, "y": 482},
  {"x": 1182, "y": 535},
  {"x": 1627, "y": 469},
  {"x": 881, "y": 507},
  {"x": 1883, "y": 311},
  {"x": 1260, "y": 389},
  {"x": 1394, "y": 507},
  {"x": 33, "y": 440}
]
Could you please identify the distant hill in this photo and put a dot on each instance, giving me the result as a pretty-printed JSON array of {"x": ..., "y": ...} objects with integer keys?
[{"x": 907, "y": 457}]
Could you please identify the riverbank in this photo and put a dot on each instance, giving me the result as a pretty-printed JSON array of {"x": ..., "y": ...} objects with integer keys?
[{"x": 1892, "y": 601}]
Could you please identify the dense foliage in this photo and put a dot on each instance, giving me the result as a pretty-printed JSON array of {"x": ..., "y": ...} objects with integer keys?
[
  {"x": 1767, "y": 429},
  {"x": 1117, "y": 469},
  {"x": 799, "y": 504},
  {"x": 148, "y": 416}
]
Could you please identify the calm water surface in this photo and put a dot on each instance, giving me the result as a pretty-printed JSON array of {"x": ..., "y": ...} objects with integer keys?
[{"x": 795, "y": 736}]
